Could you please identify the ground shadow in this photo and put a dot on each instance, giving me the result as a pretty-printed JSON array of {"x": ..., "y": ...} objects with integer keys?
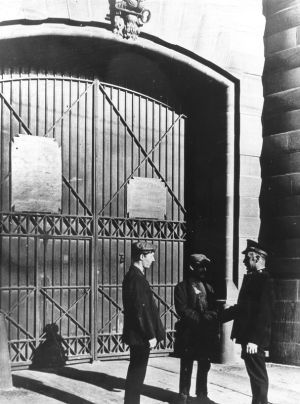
[
  {"x": 41, "y": 388},
  {"x": 113, "y": 383},
  {"x": 102, "y": 380}
]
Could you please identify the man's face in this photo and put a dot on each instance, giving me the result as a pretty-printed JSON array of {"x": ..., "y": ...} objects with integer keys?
[
  {"x": 199, "y": 270},
  {"x": 250, "y": 261},
  {"x": 147, "y": 259}
]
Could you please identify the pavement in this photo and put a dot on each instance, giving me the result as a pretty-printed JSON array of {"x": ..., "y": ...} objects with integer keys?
[{"x": 103, "y": 382}]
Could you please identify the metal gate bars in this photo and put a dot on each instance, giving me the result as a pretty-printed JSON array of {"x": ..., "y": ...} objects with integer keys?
[{"x": 67, "y": 267}]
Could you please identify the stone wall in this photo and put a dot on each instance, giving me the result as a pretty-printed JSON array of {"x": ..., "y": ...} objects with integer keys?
[
  {"x": 286, "y": 327},
  {"x": 281, "y": 170}
]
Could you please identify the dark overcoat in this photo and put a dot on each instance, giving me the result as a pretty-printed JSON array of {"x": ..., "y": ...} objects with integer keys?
[
  {"x": 252, "y": 314},
  {"x": 197, "y": 331},
  {"x": 141, "y": 317}
]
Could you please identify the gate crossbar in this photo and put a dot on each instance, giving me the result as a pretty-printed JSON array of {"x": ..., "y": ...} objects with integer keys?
[
  {"x": 16, "y": 115},
  {"x": 142, "y": 161},
  {"x": 66, "y": 312},
  {"x": 21, "y": 301},
  {"x": 20, "y": 120},
  {"x": 119, "y": 309},
  {"x": 67, "y": 183},
  {"x": 124, "y": 122},
  {"x": 69, "y": 109},
  {"x": 169, "y": 308},
  {"x": 18, "y": 326}
]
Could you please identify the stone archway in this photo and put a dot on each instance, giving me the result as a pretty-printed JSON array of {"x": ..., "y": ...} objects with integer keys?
[{"x": 205, "y": 93}]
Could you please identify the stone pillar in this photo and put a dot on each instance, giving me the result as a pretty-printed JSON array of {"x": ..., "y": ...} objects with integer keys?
[
  {"x": 280, "y": 195},
  {"x": 5, "y": 372}
]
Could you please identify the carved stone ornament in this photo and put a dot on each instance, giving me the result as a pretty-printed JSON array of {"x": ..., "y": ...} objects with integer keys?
[{"x": 128, "y": 16}]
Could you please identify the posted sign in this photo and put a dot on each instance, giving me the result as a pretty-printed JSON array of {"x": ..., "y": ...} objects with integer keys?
[
  {"x": 36, "y": 174},
  {"x": 146, "y": 198}
]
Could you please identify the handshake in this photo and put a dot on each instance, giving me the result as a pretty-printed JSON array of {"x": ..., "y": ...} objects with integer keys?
[{"x": 210, "y": 315}]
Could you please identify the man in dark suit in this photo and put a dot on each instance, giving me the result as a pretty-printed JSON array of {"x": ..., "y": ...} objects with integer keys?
[
  {"x": 143, "y": 328},
  {"x": 197, "y": 329},
  {"x": 252, "y": 317}
]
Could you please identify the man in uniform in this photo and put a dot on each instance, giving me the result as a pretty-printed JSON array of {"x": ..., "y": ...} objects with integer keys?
[
  {"x": 143, "y": 328},
  {"x": 252, "y": 317},
  {"x": 197, "y": 329}
]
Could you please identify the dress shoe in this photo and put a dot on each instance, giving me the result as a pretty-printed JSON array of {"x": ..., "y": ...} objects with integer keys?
[
  {"x": 182, "y": 399},
  {"x": 203, "y": 399}
]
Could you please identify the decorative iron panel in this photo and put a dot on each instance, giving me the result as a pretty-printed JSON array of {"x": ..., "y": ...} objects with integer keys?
[
  {"x": 18, "y": 294},
  {"x": 68, "y": 268},
  {"x": 44, "y": 224},
  {"x": 140, "y": 228}
]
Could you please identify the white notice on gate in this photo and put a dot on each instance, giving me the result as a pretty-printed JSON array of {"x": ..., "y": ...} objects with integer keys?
[
  {"x": 146, "y": 198},
  {"x": 36, "y": 174}
]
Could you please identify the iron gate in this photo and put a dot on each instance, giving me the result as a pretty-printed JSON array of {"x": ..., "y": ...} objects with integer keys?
[{"x": 67, "y": 268}]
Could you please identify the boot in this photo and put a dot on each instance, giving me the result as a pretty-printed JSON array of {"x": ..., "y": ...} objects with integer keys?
[
  {"x": 182, "y": 399},
  {"x": 203, "y": 399}
]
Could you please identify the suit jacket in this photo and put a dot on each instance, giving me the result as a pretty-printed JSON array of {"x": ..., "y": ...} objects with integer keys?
[
  {"x": 141, "y": 317},
  {"x": 197, "y": 330},
  {"x": 252, "y": 314}
]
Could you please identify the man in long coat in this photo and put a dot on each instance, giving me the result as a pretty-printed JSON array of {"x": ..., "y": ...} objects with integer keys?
[
  {"x": 143, "y": 328},
  {"x": 197, "y": 329},
  {"x": 252, "y": 317}
]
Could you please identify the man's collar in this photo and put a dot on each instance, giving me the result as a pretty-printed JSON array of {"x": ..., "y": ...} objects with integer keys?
[
  {"x": 257, "y": 271},
  {"x": 138, "y": 268},
  {"x": 260, "y": 270}
]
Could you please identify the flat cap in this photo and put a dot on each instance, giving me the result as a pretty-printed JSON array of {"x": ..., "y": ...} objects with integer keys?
[
  {"x": 255, "y": 247},
  {"x": 143, "y": 247},
  {"x": 198, "y": 259}
]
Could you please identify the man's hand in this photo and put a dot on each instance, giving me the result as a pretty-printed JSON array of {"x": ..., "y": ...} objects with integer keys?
[
  {"x": 210, "y": 315},
  {"x": 251, "y": 348},
  {"x": 153, "y": 343}
]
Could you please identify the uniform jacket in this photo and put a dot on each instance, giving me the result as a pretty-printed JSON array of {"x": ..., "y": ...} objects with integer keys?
[
  {"x": 197, "y": 330},
  {"x": 141, "y": 317},
  {"x": 252, "y": 314}
]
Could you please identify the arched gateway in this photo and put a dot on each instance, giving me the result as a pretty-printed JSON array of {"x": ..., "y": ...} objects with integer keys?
[{"x": 120, "y": 136}]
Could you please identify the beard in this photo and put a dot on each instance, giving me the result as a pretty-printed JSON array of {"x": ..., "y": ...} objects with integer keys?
[{"x": 199, "y": 274}]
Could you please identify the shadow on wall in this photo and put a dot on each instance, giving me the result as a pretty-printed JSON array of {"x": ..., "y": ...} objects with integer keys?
[{"x": 50, "y": 353}]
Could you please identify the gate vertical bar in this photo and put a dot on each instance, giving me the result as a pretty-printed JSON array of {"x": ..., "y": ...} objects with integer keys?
[
  {"x": 36, "y": 315},
  {"x": 94, "y": 247}
]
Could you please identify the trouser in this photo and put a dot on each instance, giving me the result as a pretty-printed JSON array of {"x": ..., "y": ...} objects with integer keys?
[
  {"x": 186, "y": 368},
  {"x": 256, "y": 368},
  {"x": 139, "y": 355}
]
